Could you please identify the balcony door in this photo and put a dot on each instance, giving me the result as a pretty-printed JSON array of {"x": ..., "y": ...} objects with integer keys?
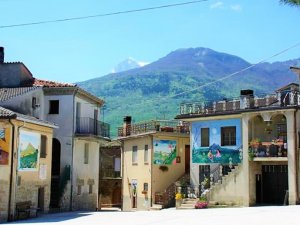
[{"x": 96, "y": 121}]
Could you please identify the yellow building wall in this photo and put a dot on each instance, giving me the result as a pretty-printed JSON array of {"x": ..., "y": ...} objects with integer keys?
[
  {"x": 26, "y": 184},
  {"x": 149, "y": 173},
  {"x": 141, "y": 172},
  {"x": 85, "y": 175},
  {"x": 163, "y": 179},
  {"x": 5, "y": 145}
]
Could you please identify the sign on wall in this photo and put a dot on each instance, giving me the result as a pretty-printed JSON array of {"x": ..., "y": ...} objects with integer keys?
[
  {"x": 4, "y": 146},
  {"x": 214, "y": 151},
  {"x": 28, "y": 151},
  {"x": 164, "y": 152}
]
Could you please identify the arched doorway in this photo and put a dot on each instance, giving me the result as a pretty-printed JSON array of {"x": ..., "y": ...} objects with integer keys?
[{"x": 55, "y": 174}]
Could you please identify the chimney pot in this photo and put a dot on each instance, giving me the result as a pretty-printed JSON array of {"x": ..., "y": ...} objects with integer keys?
[{"x": 1, "y": 55}]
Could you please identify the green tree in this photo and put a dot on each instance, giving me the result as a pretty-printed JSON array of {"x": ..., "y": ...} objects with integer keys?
[{"x": 291, "y": 2}]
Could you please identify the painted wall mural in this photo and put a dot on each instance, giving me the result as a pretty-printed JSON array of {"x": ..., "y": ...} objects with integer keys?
[
  {"x": 215, "y": 153},
  {"x": 4, "y": 146},
  {"x": 164, "y": 152},
  {"x": 29, "y": 149}
]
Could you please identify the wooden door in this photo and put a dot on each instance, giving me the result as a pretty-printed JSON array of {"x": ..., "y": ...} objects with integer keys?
[{"x": 187, "y": 159}]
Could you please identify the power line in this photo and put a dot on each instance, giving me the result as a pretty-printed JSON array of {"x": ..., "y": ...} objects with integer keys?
[
  {"x": 101, "y": 15},
  {"x": 222, "y": 78}
]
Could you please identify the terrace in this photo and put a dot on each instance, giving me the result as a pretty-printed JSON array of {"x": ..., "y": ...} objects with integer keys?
[
  {"x": 283, "y": 98},
  {"x": 173, "y": 126}
]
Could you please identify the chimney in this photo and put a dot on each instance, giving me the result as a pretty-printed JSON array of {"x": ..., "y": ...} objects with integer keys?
[
  {"x": 127, "y": 126},
  {"x": 1, "y": 55},
  {"x": 246, "y": 99}
]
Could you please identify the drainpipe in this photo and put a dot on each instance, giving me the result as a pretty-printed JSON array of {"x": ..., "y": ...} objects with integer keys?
[
  {"x": 10, "y": 217},
  {"x": 151, "y": 174},
  {"x": 11, "y": 168},
  {"x": 72, "y": 152},
  {"x": 123, "y": 181},
  {"x": 296, "y": 155}
]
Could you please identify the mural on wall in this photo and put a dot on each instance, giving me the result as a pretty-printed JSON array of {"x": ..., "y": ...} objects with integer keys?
[
  {"x": 164, "y": 152},
  {"x": 29, "y": 148},
  {"x": 4, "y": 146},
  {"x": 215, "y": 153}
]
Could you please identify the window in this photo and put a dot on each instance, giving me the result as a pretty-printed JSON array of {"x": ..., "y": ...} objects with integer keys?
[
  {"x": 134, "y": 155},
  {"x": 33, "y": 102},
  {"x": 204, "y": 137},
  {"x": 86, "y": 153},
  {"x": 79, "y": 190},
  {"x": 146, "y": 157},
  {"x": 53, "y": 107},
  {"x": 228, "y": 136},
  {"x": 145, "y": 186},
  {"x": 43, "y": 153},
  {"x": 90, "y": 189}
]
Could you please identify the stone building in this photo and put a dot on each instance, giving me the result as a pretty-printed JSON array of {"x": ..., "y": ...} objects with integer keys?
[
  {"x": 25, "y": 163},
  {"x": 76, "y": 143}
]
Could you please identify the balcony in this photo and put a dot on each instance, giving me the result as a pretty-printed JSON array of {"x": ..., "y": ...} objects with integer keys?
[
  {"x": 109, "y": 173},
  {"x": 89, "y": 126},
  {"x": 244, "y": 103},
  {"x": 173, "y": 126}
]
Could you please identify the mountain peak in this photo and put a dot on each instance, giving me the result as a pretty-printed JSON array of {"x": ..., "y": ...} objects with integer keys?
[{"x": 128, "y": 64}]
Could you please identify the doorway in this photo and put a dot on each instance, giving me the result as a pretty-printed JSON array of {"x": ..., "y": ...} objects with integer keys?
[
  {"x": 55, "y": 174},
  {"x": 41, "y": 199},
  {"x": 274, "y": 184},
  {"x": 187, "y": 159}
]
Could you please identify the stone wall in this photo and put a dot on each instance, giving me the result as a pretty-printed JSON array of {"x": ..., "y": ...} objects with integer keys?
[
  {"x": 4, "y": 193},
  {"x": 28, "y": 191}
]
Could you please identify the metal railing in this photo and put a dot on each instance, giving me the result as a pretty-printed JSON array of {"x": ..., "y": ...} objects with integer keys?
[
  {"x": 110, "y": 173},
  {"x": 154, "y": 125},
  {"x": 267, "y": 149},
  {"x": 290, "y": 98},
  {"x": 89, "y": 126}
]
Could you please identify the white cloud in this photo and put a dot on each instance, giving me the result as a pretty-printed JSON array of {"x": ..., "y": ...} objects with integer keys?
[
  {"x": 236, "y": 7},
  {"x": 217, "y": 5}
]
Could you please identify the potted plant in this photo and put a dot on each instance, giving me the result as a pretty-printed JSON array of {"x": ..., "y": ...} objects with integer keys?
[
  {"x": 178, "y": 198},
  {"x": 202, "y": 203}
]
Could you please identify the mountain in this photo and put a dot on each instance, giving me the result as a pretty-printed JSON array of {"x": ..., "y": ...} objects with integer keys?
[
  {"x": 157, "y": 89},
  {"x": 128, "y": 64}
]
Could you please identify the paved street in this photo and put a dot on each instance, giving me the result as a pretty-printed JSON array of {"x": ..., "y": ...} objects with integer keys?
[{"x": 283, "y": 215}]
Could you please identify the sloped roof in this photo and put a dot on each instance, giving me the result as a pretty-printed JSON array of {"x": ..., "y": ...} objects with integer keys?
[
  {"x": 6, "y": 113},
  {"x": 8, "y": 93},
  {"x": 9, "y": 114},
  {"x": 48, "y": 83}
]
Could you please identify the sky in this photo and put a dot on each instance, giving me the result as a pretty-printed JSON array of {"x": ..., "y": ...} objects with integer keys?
[{"x": 79, "y": 50}]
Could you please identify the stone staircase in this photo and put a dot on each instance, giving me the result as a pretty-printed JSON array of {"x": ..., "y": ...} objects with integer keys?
[
  {"x": 220, "y": 185},
  {"x": 188, "y": 203}
]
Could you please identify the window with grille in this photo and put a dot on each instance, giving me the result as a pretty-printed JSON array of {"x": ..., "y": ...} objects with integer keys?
[{"x": 228, "y": 136}]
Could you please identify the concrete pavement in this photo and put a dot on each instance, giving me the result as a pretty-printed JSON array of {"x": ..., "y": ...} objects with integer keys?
[{"x": 274, "y": 215}]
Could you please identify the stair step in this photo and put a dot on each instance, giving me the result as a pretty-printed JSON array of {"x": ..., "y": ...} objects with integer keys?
[{"x": 156, "y": 207}]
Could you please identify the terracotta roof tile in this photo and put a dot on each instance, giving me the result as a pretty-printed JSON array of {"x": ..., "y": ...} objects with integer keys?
[{"x": 47, "y": 83}]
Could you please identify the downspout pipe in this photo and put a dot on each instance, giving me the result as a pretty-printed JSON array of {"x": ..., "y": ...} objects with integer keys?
[
  {"x": 296, "y": 155},
  {"x": 9, "y": 216},
  {"x": 72, "y": 152}
]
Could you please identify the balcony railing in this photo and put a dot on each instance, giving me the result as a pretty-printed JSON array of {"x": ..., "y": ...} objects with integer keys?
[
  {"x": 110, "y": 173},
  {"x": 89, "y": 126},
  {"x": 267, "y": 149},
  {"x": 291, "y": 98},
  {"x": 154, "y": 125}
]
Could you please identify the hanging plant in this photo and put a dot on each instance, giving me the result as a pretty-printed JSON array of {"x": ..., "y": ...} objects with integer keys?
[{"x": 163, "y": 168}]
